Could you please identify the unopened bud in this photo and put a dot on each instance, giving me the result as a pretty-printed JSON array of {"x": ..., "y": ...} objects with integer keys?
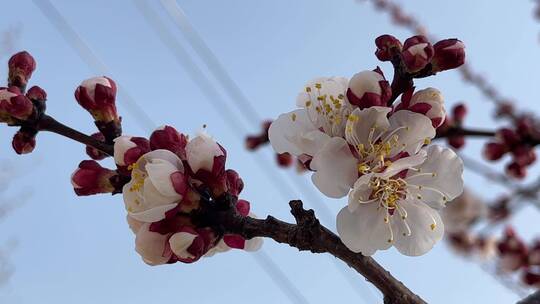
[
  {"x": 388, "y": 46},
  {"x": 368, "y": 89},
  {"x": 24, "y": 142},
  {"x": 21, "y": 67},
  {"x": 494, "y": 151},
  {"x": 417, "y": 53},
  {"x": 91, "y": 178},
  {"x": 449, "y": 54},
  {"x": 168, "y": 138}
]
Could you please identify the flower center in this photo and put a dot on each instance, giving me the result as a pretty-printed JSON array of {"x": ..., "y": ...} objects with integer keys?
[
  {"x": 388, "y": 191},
  {"x": 325, "y": 110}
]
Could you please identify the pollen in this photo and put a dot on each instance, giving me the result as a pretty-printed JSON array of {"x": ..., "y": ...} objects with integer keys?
[
  {"x": 433, "y": 226},
  {"x": 293, "y": 116},
  {"x": 308, "y": 103},
  {"x": 427, "y": 141},
  {"x": 318, "y": 85},
  {"x": 308, "y": 89}
]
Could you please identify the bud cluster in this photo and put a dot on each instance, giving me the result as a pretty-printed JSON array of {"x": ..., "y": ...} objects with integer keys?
[
  {"x": 454, "y": 122},
  {"x": 169, "y": 182},
  {"x": 418, "y": 57},
  {"x": 21, "y": 108},
  {"x": 519, "y": 142}
]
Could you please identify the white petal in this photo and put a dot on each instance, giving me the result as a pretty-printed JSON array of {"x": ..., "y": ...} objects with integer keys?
[
  {"x": 219, "y": 248},
  {"x": 162, "y": 154},
  {"x": 365, "y": 82},
  {"x": 180, "y": 243},
  {"x": 134, "y": 224},
  {"x": 335, "y": 168},
  {"x": 253, "y": 244},
  {"x": 361, "y": 122},
  {"x": 133, "y": 200},
  {"x": 201, "y": 151},
  {"x": 360, "y": 193},
  {"x": 121, "y": 145},
  {"x": 152, "y": 215},
  {"x": 159, "y": 172},
  {"x": 151, "y": 246},
  {"x": 405, "y": 163},
  {"x": 294, "y": 133},
  {"x": 440, "y": 177},
  {"x": 415, "y": 129},
  {"x": 364, "y": 230},
  {"x": 153, "y": 198},
  {"x": 425, "y": 225}
]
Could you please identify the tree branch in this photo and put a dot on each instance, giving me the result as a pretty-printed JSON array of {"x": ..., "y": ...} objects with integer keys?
[
  {"x": 531, "y": 299},
  {"x": 458, "y": 131},
  {"x": 47, "y": 123},
  {"x": 309, "y": 235}
]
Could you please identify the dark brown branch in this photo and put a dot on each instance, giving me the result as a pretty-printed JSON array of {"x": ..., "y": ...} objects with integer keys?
[
  {"x": 47, "y": 123},
  {"x": 458, "y": 131},
  {"x": 308, "y": 234},
  {"x": 531, "y": 299}
]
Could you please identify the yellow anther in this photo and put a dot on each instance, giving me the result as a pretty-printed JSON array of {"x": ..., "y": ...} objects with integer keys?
[
  {"x": 308, "y": 89},
  {"x": 341, "y": 96},
  {"x": 433, "y": 226},
  {"x": 433, "y": 174},
  {"x": 427, "y": 141},
  {"x": 318, "y": 85},
  {"x": 293, "y": 116},
  {"x": 386, "y": 219},
  {"x": 352, "y": 118},
  {"x": 418, "y": 196},
  {"x": 308, "y": 103}
]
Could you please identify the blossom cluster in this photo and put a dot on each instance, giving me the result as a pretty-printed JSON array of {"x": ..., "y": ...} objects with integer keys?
[
  {"x": 18, "y": 106},
  {"x": 360, "y": 145},
  {"x": 517, "y": 140},
  {"x": 165, "y": 180}
]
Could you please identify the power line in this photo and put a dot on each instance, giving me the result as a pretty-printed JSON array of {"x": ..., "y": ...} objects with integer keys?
[
  {"x": 245, "y": 106},
  {"x": 91, "y": 59},
  {"x": 97, "y": 65}
]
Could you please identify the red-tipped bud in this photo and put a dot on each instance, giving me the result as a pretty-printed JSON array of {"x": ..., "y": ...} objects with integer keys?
[
  {"x": 38, "y": 96},
  {"x": 284, "y": 159},
  {"x": 387, "y": 47},
  {"x": 93, "y": 152},
  {"x": 508, "y": 137},
  {"x": 98, "y": 96},
  {"x": 459, "y": 112},
  {"x": 449, "y": 54},
  {"x": 456, "y": 141},
  {"x": 21, "y": 67},
  {"x": 524, "y": 155},
  {"x": 417, "y": 53},
  {"x": 13, "y": 105},
  {"x": 515, "y": 170},
  {"x": 243, "y": 206},
  {"x": 368, "y": 89},
  {"x": 253, "y": 142},
  {"x": 91, "y": 178},
  {"x": 494, "y": 151},
  {"x": 234, "y": 182},
  {"x": 127, "y": 150},
  {"x": 429, "y": 102},
  {"x": 24, "y": 142},
  {"x": 504, "y": 109},
  {"x": 168, "y": 138}
]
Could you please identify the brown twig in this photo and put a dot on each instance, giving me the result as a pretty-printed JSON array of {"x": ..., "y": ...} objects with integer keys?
[
  {"x": 309, "y": 235},
  {"x": 531, "y": 299},
  {"x": 47, "y": 123}
]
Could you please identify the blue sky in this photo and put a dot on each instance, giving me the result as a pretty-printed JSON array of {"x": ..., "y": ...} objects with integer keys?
[{"x": 80, "y": 250}]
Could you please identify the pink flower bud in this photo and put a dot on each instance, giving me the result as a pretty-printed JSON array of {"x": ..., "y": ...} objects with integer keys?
[
  {"x": 253, "y": 142},
  {"x": 234, "y": 182},
  {"x": 243, "y": 206},
  {"x": 98, "y": 95},
  {"x": 456, "y": 141},
  {"x": 494, "y": 151},
  {"x": 515, "y": 170},
  {"x": 459, "y": 112},
  {"x": 187, "y": 245},
  {"x": 284, "y": 159},
  {"x": 524, "y": 155},
  {"x": 21, "y": 67},
  {"x": 429, "y": 102},
  {"x": 417, "y": 53},
  {"x": 127, "y": 150},
  {"x": 368, "y": 89},
  {"x": 38, "y": 96},
  {"x": 508, "y": 137},
  {"x": 449, "y": 54},
  {"x": 91, "y": 178},
  {"x": 93, "y": 152},
  {"x": 387, "y": 47},
  {"x": 24, "y": 142},
  {"x": 166, "y": 137},
  {"x": 13, "y": 105}
]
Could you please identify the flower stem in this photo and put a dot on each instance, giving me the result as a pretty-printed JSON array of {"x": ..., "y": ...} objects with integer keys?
[{"x": 47, "y": 123}]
